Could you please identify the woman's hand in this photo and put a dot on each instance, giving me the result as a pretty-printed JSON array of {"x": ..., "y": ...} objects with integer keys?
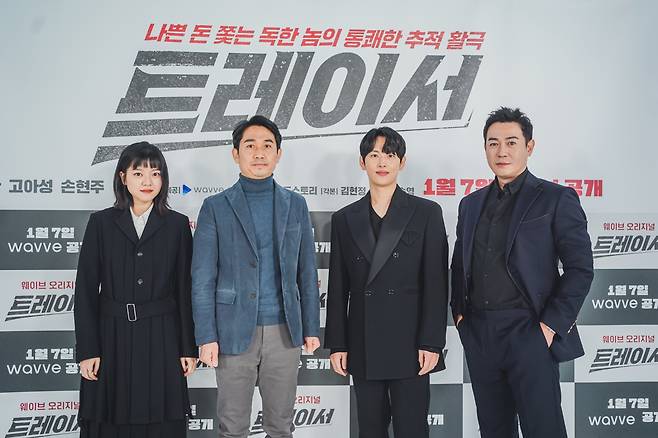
[
  {"x": 188, "y": 364},
  {"x": 89, "y": 368}
]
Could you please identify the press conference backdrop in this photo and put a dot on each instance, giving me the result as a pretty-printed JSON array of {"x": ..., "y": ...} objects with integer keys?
[{"x": 81, "y": 80}]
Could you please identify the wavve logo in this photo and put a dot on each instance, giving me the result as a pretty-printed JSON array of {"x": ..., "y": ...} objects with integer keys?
[{"x": 184, "y": 189}]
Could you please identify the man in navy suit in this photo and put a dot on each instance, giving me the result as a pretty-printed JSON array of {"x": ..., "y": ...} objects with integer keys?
[{"x": 515, "y": 313}]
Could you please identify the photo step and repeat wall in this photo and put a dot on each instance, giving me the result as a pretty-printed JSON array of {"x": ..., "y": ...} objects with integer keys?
[{"x": 82, "y": 80}]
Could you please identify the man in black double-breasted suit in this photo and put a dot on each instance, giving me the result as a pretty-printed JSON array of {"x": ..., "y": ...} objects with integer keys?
[
  {"x": 515, "y": 313},
  {"x": 387, "y": 300}
]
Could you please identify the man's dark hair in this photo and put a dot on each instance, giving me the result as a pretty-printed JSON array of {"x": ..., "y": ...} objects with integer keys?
[
  {"x": 146, "y": 155},
  {"x": 393, "y": 142},
  {"x": 506, "y": 115},
  {"x": 256, "y": 120}
]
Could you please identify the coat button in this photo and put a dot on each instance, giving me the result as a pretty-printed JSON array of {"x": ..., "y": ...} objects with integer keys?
[
  {"x": 252, "y": 295},
  {"x": 252, "y": 263},
  {"x": 396, "y": 254},
  {"x": 367, "y": 293},
  {"x": 139, "y": 254},
  {"x": 140, "y": 281},
  {"x": 391, "y": 291}
]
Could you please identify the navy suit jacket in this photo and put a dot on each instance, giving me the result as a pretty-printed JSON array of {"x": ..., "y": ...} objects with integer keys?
[{"x": 547, "y": 225}]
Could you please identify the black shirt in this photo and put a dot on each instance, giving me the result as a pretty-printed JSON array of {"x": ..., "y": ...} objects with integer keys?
[
  {"x": 375, "y": 222},
  {"x": 492, "y": 287}
]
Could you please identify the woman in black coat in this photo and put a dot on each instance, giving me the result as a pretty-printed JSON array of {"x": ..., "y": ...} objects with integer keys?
[{"x": 133, "y": 318}]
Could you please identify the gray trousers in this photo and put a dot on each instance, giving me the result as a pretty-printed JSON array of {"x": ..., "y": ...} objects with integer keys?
[{"x": 273, "y": 362}]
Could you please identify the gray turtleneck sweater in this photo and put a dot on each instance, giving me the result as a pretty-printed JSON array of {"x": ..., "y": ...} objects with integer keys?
[{"x": 260, "y": 198}]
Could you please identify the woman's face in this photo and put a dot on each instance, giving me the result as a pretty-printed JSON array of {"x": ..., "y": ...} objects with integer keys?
[{"x": 143, "y": 183}]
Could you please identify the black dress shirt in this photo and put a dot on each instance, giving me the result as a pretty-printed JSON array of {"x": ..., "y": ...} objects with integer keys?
[
  {"x": 375, "y": 222},
  {"x": 492, "y": 287}
]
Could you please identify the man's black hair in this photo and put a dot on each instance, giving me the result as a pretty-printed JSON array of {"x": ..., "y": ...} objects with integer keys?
[
  {"x": 507, "y": 115},
  {"x": 393, "y": 142},
  {"x": 256, "y": 120}
]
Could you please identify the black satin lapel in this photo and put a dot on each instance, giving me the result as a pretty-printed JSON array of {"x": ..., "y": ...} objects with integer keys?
[
  {"x": 358, "y": 221},
  {"x": 395, "y": 222}
]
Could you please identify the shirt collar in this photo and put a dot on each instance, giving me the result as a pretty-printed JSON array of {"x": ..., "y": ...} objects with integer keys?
[
  {"x": 144, "y": 217},
  {"x": 514, "y": 186}
]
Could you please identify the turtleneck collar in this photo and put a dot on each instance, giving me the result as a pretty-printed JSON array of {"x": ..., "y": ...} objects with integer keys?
[{"x": 257, "y": 185}]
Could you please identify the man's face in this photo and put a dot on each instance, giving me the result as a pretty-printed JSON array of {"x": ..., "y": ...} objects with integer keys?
[
  {"x": 382, "y": 168},
  {"x": 257, "y": 155},
  {"x": 507, "y": 151}
]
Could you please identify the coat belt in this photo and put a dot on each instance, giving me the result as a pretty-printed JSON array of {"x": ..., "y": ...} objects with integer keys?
[{"x": 132, "y": 312}]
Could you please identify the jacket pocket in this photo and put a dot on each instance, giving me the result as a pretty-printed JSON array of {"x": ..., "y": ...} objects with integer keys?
[
  {"x": 532, "y": 220},
  {"x": 225, "y": 296},
  {"x": 410, "y": 237},
  {"x": 294, "y": 228}
]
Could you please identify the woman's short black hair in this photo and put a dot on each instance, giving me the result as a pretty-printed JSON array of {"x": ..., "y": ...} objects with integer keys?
[
  {"x": 146, "y": 155},
  {"x": 393, "y": 142},
  {"x": 256, "y": 120}
]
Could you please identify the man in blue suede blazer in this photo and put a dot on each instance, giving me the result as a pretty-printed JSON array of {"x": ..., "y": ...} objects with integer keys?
[
  {"x": 255, "y": 296},
  {"x": 515, "y": 313}
]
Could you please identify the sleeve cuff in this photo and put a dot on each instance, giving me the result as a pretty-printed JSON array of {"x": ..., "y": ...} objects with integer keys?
[{"x": 430, "y": 348}]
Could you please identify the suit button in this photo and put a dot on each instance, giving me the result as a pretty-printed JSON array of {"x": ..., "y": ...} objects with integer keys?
[
  {"x": 252, "y": 295},
  {"x": 396, "y": 255},
  {"x": 140, "y": 281},
  {"x": 367, "y": 293},
  {"x": 253, "y": 263},
  {"x": 139, "y": 254},
  {"x": 391, "y": 291}
]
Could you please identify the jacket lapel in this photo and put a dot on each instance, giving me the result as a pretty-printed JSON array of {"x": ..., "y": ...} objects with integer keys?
[
  {"x": 238, "y": 202},
  {"x": 471, "y": 220},
  {"x": 358, "y": 221},
  {"x": 154, "y": 222},
  {"x": 397, "y": 217},
  {"x": 528, "y": 193},
  {"x": 124, "y": 221},
  {"x": 281, "y": 212}
]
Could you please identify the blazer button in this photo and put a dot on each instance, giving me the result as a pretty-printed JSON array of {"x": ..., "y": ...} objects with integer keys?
[
  {"x": 396, "y": 254},
  {"x": 391, "y": 291},
  {"x": 140, "y": 281},
  {"x": 139, "y": 254},
  {"x": 367, "y": 293},
  {"x": 252, "y": 295}
]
